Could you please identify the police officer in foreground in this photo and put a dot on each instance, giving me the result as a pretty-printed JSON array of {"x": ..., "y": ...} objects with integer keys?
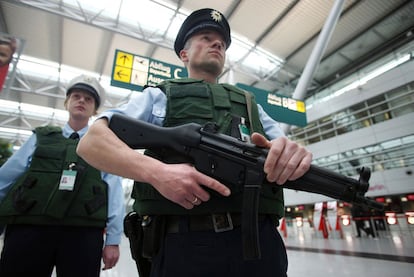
[
  {"x": 57, "y": 207},
  {"x": 192, "y": 222}
]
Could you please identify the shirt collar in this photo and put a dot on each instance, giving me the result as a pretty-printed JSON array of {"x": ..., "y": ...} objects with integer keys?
[{"x": 67, "y": 131}]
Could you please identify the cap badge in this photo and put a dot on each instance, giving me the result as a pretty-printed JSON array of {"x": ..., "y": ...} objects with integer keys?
[
  {"x": 216, "y": 15},
  {"x": 88, "y": 79}
]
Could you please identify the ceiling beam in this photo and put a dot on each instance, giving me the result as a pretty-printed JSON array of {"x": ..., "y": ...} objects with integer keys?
[
  {"x": 355, "y": 64},
  {"x": 387, "y": 47}
]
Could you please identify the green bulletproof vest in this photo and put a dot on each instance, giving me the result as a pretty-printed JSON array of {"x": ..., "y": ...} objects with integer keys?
[
  {"x": 191, "y": 100},
  {"x": 35, "y": 198}
]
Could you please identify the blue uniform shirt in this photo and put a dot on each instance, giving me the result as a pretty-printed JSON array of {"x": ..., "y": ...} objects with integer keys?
[{"x": 20, "y": 161}]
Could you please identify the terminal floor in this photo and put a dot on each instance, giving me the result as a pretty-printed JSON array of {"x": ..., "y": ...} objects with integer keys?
[{"x": 386, "y": 256}]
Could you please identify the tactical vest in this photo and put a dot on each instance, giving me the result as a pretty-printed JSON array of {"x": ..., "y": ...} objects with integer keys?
[
  {"x": 191, "y": 100},
  {"x": 35, "y": 198}
]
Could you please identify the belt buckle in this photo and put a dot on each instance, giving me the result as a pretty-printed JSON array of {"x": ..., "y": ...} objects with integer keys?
[{"x": 222, "y": 222}]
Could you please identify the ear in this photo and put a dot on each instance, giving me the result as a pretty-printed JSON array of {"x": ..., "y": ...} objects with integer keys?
[
  {"x": 184, "y": 55},
  {"x": 65, "y": 104}
]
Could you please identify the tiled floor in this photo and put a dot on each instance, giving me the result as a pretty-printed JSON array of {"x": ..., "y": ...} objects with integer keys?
[
  {"x": 392, "y": 254},
  {"x": 382, "y": 257}
]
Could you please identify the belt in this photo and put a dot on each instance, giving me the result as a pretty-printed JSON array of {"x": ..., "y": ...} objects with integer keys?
[{"x": 218, "y": 222}]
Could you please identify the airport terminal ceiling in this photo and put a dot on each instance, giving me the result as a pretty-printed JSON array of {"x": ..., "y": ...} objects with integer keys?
[{"x": 280, "y": 34}]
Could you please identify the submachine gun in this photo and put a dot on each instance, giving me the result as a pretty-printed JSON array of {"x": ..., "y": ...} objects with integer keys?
[{"x": 232, "y": 161}]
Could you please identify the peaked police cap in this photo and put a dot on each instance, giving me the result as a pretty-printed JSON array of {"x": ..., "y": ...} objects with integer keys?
[
  {"x": 201, "y": 20},
  {"x": 88, "y": 84}
]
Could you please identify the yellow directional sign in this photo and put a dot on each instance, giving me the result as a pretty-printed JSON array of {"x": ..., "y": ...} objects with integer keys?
[
  {"x": 134, "y": 72},
  {"x": 300, "y": 105},
  {"x": 123, "y": 67},
  {"x": 124, "y": 59},
  {"x": 122, "y": 74}
]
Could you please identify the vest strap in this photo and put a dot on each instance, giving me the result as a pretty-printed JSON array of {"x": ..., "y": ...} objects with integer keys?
[{"x": 248, "y": 97}]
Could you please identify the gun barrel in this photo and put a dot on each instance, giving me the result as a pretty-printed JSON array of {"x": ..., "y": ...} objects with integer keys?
[
  {"x": 366, "y": 202},
  {"x": 326, "y": 182},
  {"x": 329, "y": 183}
]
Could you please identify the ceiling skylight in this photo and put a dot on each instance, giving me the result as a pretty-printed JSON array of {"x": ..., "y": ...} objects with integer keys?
[{"x": 140, "y": 15}]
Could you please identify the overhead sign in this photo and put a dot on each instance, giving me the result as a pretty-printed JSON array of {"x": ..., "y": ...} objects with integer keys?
[
  {"x": 279, "y": 107},
  {"x": 133, "y": 72}
]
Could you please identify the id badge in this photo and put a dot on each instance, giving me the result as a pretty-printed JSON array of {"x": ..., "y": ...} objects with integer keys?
[
  {"x": 244, "y": 133},
  {"x": 67, "y": 181}
]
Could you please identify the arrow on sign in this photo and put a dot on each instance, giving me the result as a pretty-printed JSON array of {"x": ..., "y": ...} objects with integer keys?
[
  {"x": 124, "y": 58},
  {"x": 120, "y": 74}
]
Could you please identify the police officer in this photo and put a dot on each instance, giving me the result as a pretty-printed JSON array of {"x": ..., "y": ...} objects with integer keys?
[
  {"x": 55, "y": 205},
  {"x": 202, "y": 217}
]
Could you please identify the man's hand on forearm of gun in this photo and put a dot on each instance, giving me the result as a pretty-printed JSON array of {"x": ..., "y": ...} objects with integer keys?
[{"x": 286, "y": 159}]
